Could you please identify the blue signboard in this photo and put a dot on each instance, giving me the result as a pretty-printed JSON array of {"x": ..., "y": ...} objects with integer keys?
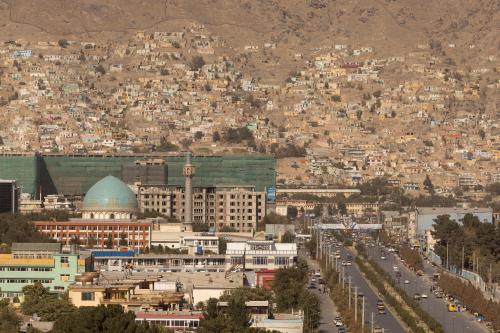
[{"x": 271, "y": 194}]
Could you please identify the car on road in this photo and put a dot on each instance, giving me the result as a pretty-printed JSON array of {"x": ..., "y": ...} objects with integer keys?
[
  {"x": 407, "y": 282},
  {"x": 348, "y": 263},
  {"x": 382, "y": 257},
  {"x": 380, "y": 307},
  {"x": 424, "y": 296},
  {"x": 338, "y": 322},
  {"x": 313, "y": 280},
  {"x": 378, "y": 330},
  {"x": 417, "y": 296}
]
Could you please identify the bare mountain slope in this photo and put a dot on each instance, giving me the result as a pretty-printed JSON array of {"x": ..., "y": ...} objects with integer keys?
[{"x": 299, "y": 24}]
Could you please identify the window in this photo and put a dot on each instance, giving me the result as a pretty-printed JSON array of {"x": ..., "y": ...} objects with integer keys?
[
  {"x": 88, "y": 296},
  {"x": 64, "y": 277},
  {"x": 64, "y": 260},
  {"x": 281, "y": 261},
  {"x": 259, "y": 260}
]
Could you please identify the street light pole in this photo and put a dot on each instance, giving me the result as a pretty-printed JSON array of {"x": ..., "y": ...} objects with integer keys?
[
  {"x": 355, "y": 304},
  {"x": 363, "y": 314},
  {"x": 349, "y": 292}
]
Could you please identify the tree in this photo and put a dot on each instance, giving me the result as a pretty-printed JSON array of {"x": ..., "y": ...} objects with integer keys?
[
  {"x": 9, "y": 320},
  {"x": 197, "y": 62},
  {"x": 100, "y": 69},
  {"x": 16, "y": 228},
  {"x": 123, "y": 240},
  {"x": 222, "y": 245},
  {"x": 109, "y": 241},
  {"x": 428, "y": 184},
  {"x": 291, "y": 212},
  {"x": 288, "y": 237},
  {"x": 482, "y": 134},
  {"x": 216, "y": 137},
  {"x": 37, "y": 299},
  {"x": 359, "y": 114},
  {"x": 166, "y": 146},
  {"x": 63, "y": 43},
  {"x": 198, "y": 135},
  {"x": 102, "y": 319}
]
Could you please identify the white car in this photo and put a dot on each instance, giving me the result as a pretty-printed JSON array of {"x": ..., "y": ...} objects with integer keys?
[
  {"x": 382, "y": 257},
  {"x": 407, "y": 282},
  {"x": 424, "y": 296},
  {"x": 396, "y": 268}
]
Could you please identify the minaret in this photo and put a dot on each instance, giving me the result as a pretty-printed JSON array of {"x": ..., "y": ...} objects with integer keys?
[{"x": 188, "y": 172}]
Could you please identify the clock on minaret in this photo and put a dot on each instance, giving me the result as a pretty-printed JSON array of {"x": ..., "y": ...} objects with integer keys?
[{"x": 188, "y": 170}]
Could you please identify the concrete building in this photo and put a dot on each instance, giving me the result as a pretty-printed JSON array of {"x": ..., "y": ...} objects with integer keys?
[
  {"x": 238, "y": 208},
  {"x": 9, "y": 196},
  {"x": 120, "y": 261},
  {"x": 37, "y": 262},
  {"x": 256, "y": 255},
  {"x": 425, "y": 217}
]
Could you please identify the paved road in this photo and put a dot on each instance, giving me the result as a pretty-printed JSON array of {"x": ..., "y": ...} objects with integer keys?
[
  {"x": 388, "y": 320},
  {"x": 328, "y": 310},
  {"x": 462, "y": 322}
]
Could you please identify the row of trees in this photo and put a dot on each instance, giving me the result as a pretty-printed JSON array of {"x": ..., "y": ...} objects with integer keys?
[
  {"x": 15, "y": 228},
  {"x": 471, "y": 244},
  {"x": 472, "y": 297},
  {"x": 411, "y": 257}
]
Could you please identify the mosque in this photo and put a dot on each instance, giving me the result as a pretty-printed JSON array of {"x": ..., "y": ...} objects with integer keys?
[{"x": 109, "y": 219}]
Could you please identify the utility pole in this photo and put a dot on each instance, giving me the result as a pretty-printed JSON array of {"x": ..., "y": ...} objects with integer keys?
[
  {"x": 463, "y": 258},
  {"x": 349, "y": 292},
  {"x": 447, "y": 258},
  {"x": 355, "y": 304}
]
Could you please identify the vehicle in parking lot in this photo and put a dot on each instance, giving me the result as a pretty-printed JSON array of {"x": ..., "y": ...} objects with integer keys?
[
  {"x": 395, "y": 268},
  {"x": 341, "y": 329},
  {"x": 378, "y": 330},
  {"x": 338, "y": 322}
]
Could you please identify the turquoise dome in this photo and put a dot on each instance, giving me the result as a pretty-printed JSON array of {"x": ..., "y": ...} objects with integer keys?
[{"x": 112, "y": 195}]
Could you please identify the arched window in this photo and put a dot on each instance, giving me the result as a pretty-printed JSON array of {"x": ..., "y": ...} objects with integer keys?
[
  {"x": 92, "y": 216},
  {"x": 112, "y": 216}
]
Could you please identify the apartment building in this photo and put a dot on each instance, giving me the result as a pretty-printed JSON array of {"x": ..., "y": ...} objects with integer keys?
[
  {"x": 37, "y": 262},
  {"x": 234, "y": 207}
]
